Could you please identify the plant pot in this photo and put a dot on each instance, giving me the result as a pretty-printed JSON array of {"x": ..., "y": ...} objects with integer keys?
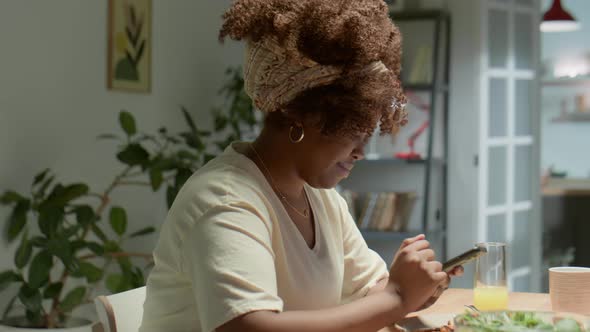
[{"x": 73, "y": 325}]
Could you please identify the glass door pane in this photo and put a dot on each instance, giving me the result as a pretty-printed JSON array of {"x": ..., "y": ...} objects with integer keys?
[
  {"x": 498, "y": 108},
  {"x": 523, "y": 163},
  {"x": 520, "y": 248},
  {"x": 497, "y": 174},
  {"x": 523, "y": 108},
  {"x": 497, "y": 228},
  {"x": 523, "y": 41},
  {"x": 498, "y": 38}
]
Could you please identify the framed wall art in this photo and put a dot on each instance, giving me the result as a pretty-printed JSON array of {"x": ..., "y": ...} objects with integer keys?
[{"x": 129, "y": 45}]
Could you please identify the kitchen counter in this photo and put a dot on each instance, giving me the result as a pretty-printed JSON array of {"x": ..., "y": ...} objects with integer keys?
[{"x": 566, "y": 187}]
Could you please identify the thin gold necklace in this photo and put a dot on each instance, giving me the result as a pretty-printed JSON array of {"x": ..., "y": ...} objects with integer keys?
[{"x": 305, "y": 212}]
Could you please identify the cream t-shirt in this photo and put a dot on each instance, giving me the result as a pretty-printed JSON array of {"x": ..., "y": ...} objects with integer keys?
[{"x": 228, "y": 247}]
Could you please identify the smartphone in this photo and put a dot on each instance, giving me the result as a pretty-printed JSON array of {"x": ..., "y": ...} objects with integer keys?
[{"x": 465, "y": 257}]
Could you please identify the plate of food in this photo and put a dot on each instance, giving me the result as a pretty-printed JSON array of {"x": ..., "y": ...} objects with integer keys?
[{"x": 498, "y": 321}]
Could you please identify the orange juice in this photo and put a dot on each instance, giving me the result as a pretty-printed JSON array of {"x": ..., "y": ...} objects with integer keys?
[{"x": 489, "y": 298}]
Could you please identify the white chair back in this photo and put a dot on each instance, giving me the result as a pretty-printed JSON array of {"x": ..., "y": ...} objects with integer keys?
[{"x": 121, "y": 312}]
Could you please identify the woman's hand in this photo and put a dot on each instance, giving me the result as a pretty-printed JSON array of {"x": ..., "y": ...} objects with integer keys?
[
  {"x": 456, "y": 272},
  {"x": 414, "y": 274}
]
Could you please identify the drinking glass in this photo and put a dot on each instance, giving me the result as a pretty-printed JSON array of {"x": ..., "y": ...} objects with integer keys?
[{"x": 490, "y": 292}]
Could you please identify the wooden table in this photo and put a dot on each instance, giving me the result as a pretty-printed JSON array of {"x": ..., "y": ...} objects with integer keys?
[{"x": 454, "y": 301}]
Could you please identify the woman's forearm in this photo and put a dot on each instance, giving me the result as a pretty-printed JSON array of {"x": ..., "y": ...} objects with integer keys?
[
  {"x": 379, "y": 286},
  {"x": 370, "y": 313}
]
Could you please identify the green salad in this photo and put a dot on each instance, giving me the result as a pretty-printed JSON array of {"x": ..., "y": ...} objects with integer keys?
[{"x": 513, "y": 322}]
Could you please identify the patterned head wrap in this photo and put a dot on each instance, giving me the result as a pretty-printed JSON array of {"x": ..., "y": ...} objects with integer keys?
[{"x": 275, "y": 74}]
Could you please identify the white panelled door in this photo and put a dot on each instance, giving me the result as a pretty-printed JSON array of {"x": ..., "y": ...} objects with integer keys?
[{"x": 509, "y": 129}]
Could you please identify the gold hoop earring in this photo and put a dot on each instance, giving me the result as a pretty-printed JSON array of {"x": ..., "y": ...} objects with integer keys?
[{"x": 301, "y": 134}]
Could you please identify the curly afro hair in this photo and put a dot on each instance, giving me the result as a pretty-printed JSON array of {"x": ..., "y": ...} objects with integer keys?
[{"x": 350, "y": 34}]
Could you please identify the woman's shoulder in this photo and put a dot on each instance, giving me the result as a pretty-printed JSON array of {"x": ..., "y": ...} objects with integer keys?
[{"x": 221, "y": 181}]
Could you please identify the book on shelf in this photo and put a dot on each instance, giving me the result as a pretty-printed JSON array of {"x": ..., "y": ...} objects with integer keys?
[
  {"x": 405, "y": 206},
  {"x": 368, "y": 210},
  {"x": 383, "y": 211}
]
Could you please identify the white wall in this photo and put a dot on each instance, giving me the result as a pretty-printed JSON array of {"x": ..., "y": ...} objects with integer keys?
[
  {"x": 53, "y": 100},
  {"x": 565, "y": 145}
]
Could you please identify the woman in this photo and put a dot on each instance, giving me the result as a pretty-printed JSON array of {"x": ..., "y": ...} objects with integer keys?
[{"x": 257, "y": 240}]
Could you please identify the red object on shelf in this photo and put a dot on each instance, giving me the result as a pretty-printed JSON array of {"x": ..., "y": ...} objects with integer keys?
[
  {"x": 412, "y": 154},
  {"x": 408, "y": 155}
]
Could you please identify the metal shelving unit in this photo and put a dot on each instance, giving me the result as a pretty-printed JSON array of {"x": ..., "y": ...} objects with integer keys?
[{"x": 438, "y": 112}]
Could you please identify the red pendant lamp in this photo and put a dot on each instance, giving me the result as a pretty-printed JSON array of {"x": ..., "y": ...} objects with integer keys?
[{"x": 557, "y": 19}]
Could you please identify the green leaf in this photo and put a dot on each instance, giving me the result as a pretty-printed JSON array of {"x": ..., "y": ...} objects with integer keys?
[
  {"x": 124, "y": 263},
  {"x": 77, "y": 245},
  {"x": 90, "y": 271},
  {"x": 137, "y": 278},
  {"x": 50, "y": 217},
  {"x": 45, "y": 185},
  {"x": 11, "y": 197},
  {"x": 30, "y": 297},
  {"x": 85, "y": 215},
  {"x": 221, "y": 122},
  {"x": 144, "y": 231},
  {"x": 134, "y": 154},
  {"x": 8, "y": 308},
  {"x": 39, "y": 177},
  {"x": 118, "y": 220},
  {"x": 568, "y": 324},
  {"x": 129, "y": 279},
  {"x": 115, "y": 282},
  {"x": 107, "y": 136},
  {"x": 61, "y": 195},
  {"x": 61, "y": 248},
  {"x": 52, "y": 290},
  {"x": 71, "y": 192},
  {"x": 98, "y": 232},
  {"x": 39, "y": 269},
  {"x": 127, "y": 123},
  {"x": 17, "y": 220},
  {"x": 208, "y": 157},
  {"x": 71, "y": 231},
  {"x": 164, "y": 164},
  {"x": 8, "y": 277},
  {"x": 193, "y": 140},
  {"x": 171, "y": 193},
  {"x": 73, "y": 299},
  {"x": 95, "y": 248},
  {"x": 182, "y": 174},
  {"x": 34, "y": 318},
  {"x": 189, "y": 120},
  {"x": 39, "y": 241},
  {"x": 156, "y": 178},
  {"x": 184, "y": 154},
  {"x": 111, "y": 246},
  {"x": 23, "y": 253}
]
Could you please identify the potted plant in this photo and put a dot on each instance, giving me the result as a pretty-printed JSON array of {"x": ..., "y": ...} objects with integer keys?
[{"x": 71, "y": 237}]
